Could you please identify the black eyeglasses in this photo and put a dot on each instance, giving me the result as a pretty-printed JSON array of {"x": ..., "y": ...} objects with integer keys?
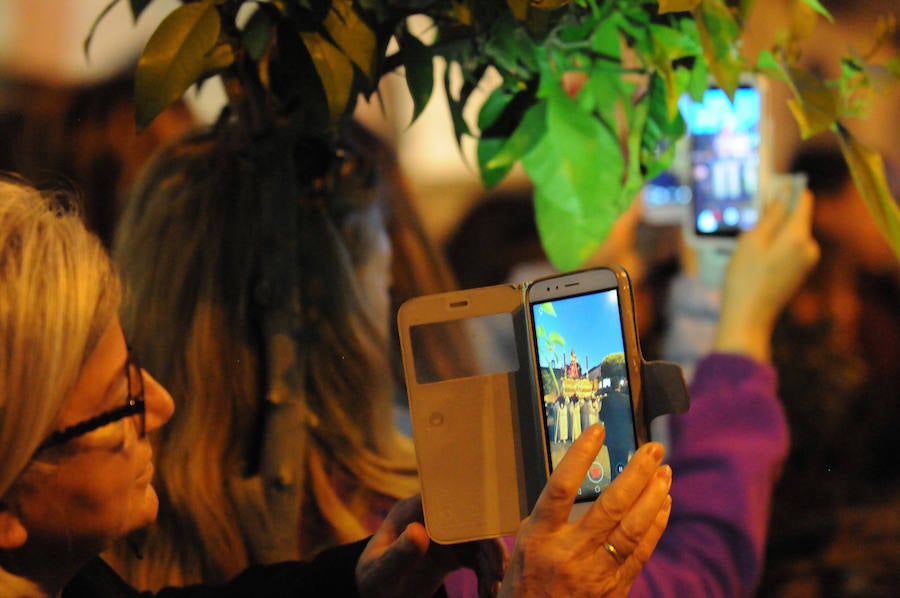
[{"x": 134, "y": 406}]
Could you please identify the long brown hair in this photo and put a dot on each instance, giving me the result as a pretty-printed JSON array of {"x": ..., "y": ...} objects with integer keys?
[{"x": 263, "y": 420}]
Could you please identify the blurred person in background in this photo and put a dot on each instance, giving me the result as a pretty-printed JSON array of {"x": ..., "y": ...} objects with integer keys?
[
  {"x": 81, "y": 135},
  {"x": 835, "y": 529}
]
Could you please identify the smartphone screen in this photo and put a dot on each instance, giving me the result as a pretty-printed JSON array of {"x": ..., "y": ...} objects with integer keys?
[
  {"x": 725, "y": 159},
  {"x": 584, "y": 379},
  {"x": 666, "y": 196}
]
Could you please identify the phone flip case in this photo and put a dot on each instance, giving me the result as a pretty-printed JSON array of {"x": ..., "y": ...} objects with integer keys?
[{"x": 477, "y": 431}]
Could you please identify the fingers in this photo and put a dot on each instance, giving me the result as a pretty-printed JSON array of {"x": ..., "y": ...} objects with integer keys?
[
  {"x": 802, "y": 215},
  {"x": 641, "y": 554},
  {"x": 555, "y": 502},
  {"x": 769, "y": 222},
  {"x": 620, "y": 497},
  {"x": 631, "y": 531},
  {"x": 406, "y": 511},
  {"x": 402, "y": 516}
]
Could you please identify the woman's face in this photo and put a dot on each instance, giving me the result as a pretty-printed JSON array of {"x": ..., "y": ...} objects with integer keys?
[{"x": 96, "y": 488}]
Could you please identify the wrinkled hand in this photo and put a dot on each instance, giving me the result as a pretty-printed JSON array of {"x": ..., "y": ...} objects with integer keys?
[
  {"x": 400, "y": 561},
  {"x": 553, "y": 556},
  {"x": 767, "y": 267}
]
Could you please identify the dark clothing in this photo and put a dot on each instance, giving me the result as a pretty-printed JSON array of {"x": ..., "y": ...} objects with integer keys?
[{"x": 331, "y": 573}]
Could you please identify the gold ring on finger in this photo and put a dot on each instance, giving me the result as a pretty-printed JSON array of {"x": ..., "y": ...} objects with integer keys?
[{"x": 613, "y": 552}]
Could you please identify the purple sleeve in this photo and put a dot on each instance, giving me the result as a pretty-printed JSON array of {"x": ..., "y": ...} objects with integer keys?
[{"x": 726, "y": 454}]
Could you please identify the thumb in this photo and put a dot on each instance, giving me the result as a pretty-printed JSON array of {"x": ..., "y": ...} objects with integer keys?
[{"x": 414, "y": 540}]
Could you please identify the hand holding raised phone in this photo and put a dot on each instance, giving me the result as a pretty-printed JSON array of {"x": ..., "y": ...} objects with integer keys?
[
  {"x": 602, "y": 552},
  {"x": 772, "y": 260}
]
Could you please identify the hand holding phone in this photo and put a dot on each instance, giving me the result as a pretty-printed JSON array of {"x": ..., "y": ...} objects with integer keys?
[
  {"x": 585, "y": 347},
  {"x": 768, "y": 265}
]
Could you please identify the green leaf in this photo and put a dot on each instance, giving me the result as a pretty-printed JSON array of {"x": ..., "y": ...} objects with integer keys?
[
  {"x": 718, "y": 34},
  {"x": 509, "y": 48},
  {"x": 460, "y": 126},
  {"x": 867, "y": 169},
  {"x": 768, "y": 65},
  {"x": 674, "y": 43},
  {"x": 485, "y": 151},
  {"x": 90, "y": 36},
  {"x": 257, "y": 34},
  {"x": 352, "y": 35},
  {"x": 575, "y": 171},
  {"x": 419, "y": 64},
  {"x": 495, "y": 160},
  {"x": 174, "y": 58},
  {"x": 335, "y": 73},
  {"x": 494, "y": 106},
  {"x": 137, "y": 7},
  {"x": 817, "y": 6}
]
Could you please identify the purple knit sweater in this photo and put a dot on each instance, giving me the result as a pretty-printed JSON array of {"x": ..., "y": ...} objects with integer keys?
[{"x": 726, "y": 454}]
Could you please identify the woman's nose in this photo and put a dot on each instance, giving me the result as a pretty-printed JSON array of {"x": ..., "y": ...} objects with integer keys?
[{"x": 158, "y": 402}]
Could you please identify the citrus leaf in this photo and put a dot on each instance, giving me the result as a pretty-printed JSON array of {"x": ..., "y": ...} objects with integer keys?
[
  {"x": 90, "y": 36},
  {"x": 768, "y": 65},
  {"x": 220, "y": 57},
  {"x": 814, "y": 107},
  {"x": 174, "y": 58},
  {"x": 335, "y": 72},
  {"x": 138, "y": 6},
  {"x": 718, "y": 34},
  {"x": 257, "y": 34},
  {"x": 867, "y": 169},
  {"x": 817, "y": 6},
  {"x": 485, "y": 151},
  {"x": 666, "y": 6},
  {"x": 419, "y": 65},
  {"x": 493, "y": 107},
  {"x": 575, "y": 172},
  {"x": 526, "y": 136},
  {"x": 352, "y": 35},
  {"x": 519, "y": 8}
]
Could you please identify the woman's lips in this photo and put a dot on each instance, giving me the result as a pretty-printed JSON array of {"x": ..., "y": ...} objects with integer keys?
[{"x": 147, "y": 475}]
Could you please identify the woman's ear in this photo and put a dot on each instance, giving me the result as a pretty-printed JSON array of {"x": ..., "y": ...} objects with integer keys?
[{"x": 12, "y": 532}]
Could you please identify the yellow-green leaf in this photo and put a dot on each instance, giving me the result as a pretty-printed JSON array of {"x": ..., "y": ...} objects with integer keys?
[
  {"x": 867, "y": 169},
  {"x": 220, "y": 57},
  {"x": 174, "y": 58},
  {"x": 677, "y": 5},
  {"x": 352, "y": 35},
  {"x": 335, "y": 72},
  {"x": 718, "y": 36},
  {"x": 814, "y": 107},
  {"x": 519, "y": 8},
  {"x": 817, "y": 6}
]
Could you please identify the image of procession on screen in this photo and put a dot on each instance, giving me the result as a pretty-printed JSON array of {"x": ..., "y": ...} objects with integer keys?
[{"x": 584, "y": 380}]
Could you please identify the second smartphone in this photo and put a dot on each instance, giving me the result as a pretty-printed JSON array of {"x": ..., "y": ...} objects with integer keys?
[{"x": 587, "y": 363}]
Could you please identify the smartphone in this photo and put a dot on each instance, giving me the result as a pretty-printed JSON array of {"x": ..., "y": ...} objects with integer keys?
[
  {"x": 728, "y": 160},
  {"x": 666, "y": 197},
  {"x": 586, "y": 355}
]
